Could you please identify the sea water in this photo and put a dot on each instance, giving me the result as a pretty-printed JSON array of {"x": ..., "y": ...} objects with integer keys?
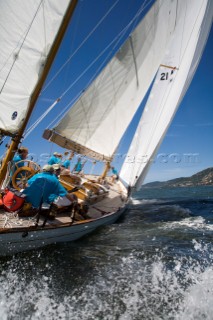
[{"x": 154, "y": 263}]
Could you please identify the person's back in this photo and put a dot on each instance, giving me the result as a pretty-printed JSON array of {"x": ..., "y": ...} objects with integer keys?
[
  {"x": 115, "y": 174},
  {"x": 43, "y": 187},
  {"x": 78, "y": 166},
  {"x": 16, "y": 159},
  {"x": 66, "y": 164},
  {"x": 53, "y": 160}
]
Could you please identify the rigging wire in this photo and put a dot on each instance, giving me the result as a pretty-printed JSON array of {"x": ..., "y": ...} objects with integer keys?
[
  {"x": 35, "y": 124},
  {"x": 82, "y": 43},
  {"x": 134, "y": 22},
  {"x": 115, "y": 40},
  {"x": 61, "y": 114}
]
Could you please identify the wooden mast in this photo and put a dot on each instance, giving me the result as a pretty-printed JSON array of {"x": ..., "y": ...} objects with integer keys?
[
  {"x": 106, "y": 169},
  {"x": 16, "y": 140}
]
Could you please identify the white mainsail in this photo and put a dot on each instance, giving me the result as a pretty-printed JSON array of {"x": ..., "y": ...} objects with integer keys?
[
  {"x": 169, "y": 87},
  {"x": 114, "y": 97},
  {"x": 25, "y": 44}
]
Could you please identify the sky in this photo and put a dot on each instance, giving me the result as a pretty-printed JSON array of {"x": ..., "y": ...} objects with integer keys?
[{"x": 187, "y": 146}]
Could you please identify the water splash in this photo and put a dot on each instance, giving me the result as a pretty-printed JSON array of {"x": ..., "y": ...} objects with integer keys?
[
  {"x": 135, "y": 287},
  {"x": 195, "y": 223}
]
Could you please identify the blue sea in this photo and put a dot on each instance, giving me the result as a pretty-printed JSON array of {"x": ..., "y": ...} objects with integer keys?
[{"x": 156, "y": 262}]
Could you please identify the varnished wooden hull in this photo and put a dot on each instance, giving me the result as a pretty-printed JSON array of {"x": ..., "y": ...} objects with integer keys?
[
  {"x": 21, "y": 234},
  {"x": 22, "y": 239}
]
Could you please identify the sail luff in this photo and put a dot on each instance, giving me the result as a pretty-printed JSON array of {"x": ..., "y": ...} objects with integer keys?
[
  {"x": 168, "y": 90},
  {"x": 50, "y": 58}
]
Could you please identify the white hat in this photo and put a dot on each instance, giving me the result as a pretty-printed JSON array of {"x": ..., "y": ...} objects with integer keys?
[
  {"x": 55, "y": 153},
  {"x": 56, "y": 166},
  {"x": 48, "y": 168}
]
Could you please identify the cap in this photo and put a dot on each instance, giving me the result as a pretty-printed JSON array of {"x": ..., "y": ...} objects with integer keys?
[
  {"x": 48, "y": 168},
  {"x": 56, "y": 166},
  {"x": 55, "y": 153}
]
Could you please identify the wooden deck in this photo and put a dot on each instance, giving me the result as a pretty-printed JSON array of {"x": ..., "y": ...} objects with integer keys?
[{"x": 101, "y": 204}]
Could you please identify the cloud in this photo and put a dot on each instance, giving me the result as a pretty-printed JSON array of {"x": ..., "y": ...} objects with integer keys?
[
  {"x": 208, "y": 124},
  {"x": 179, "y": 125},
  {"x": 172, "y": 135}
]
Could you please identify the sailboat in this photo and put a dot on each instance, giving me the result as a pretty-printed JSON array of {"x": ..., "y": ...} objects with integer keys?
[{"x": 160, "y": 56}]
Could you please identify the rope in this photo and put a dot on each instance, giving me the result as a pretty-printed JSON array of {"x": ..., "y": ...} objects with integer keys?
[
  {"x": 36, "y": 123},
  {"x": 61, "y": 114},
  {"x": 11, "y": 219},
  {"x": 78, "y": 48},
  {"x": 115, "y": 40}
]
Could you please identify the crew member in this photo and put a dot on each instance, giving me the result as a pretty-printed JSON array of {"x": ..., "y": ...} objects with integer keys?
[
  {"x": 22, "y": 154},
  {"x": 54, "y": 159},
  {"x": 44, "y": 187}
]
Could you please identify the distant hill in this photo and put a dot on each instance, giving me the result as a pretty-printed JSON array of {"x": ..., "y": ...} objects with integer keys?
[{"x": 202, "y": 178}]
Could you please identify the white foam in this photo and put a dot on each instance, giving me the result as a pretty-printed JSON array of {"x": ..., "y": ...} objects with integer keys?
[
  {"x": 198, "y": 298},
  {"x": 146, "y": 201},
  {"x": 136, "y": 285},
  {"x": 194, "y": 223}
]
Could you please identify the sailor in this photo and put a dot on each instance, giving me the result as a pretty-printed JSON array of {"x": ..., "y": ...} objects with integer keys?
[
  {"x": 54, "y": 159},
  {"x": 115, "y": 175},
  {"x": 78, "y": 167},
  {"x": 18, "y": 161},
  {"x": 22, "y": 155},
  {"x": 60, "y": 157},
  {"x": 44, "y": 187},
  {"x": 57, "y": 169},
  {"x": 67, "y": 162}
]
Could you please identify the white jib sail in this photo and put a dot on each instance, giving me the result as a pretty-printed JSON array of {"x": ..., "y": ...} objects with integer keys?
[
  {"x": 113, "y": 98},
  {"x": 27, "y": 31},
  {"x": 169, "y": 87}
]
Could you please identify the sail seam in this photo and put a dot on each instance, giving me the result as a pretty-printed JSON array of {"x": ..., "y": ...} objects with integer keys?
[
  {"x": 191, "y": 32},
  {"x": 134, "y": 61},
  {"x": 16, "y": 55},
  {"x": 73, "y": 54}
]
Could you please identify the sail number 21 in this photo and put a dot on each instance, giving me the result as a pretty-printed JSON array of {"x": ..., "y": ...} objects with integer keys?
[{"x": 164, "y": 76}]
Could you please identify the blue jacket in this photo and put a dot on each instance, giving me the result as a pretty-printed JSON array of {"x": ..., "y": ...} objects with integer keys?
[
  {"x": 114, "y": 171},
  {"x": 66, "y": 164},
  {"x": 18, "y": 158},
  {"x": 53, "y": 160},
  {"x": 78, "y": 167},
  {"x": 43, "y": 187}
]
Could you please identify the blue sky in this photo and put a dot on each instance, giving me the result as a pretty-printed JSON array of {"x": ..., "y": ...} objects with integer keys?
[{"x": 187, "y": 147}]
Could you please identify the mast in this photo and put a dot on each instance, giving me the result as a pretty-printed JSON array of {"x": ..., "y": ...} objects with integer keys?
[
  {"x": 16, "y": 140},
  {"x": 106, "y": 169}
]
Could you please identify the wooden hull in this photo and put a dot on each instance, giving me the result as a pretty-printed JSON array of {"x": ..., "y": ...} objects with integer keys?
[{"x": 22, "y": 240}]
